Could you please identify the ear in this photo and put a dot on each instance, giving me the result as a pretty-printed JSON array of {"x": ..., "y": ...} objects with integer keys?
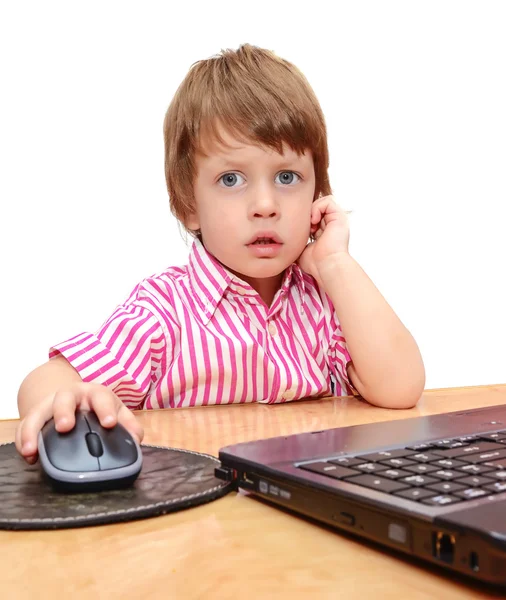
[{"x": 192, "y": 221}]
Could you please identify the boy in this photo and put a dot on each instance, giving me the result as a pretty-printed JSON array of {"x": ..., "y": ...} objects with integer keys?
[{"x": 258, "y": 314}]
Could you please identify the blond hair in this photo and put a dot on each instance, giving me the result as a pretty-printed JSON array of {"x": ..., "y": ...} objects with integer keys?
[{"x": 256, "y": 96}]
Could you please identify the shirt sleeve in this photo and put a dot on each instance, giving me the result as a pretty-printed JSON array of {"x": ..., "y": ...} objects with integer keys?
[
  {"x": 338, "y": 354},
  {"x": 125, "y": 354}
]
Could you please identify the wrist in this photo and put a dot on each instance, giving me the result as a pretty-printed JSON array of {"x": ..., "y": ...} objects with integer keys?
[{"x": 334, "y": 263}]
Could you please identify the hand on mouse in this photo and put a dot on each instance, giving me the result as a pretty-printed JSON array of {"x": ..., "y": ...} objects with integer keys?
[{"x": 63, "y": 405}]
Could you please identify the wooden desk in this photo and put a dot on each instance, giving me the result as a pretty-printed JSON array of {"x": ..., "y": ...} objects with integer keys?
[{"x": 236, "y": 547}]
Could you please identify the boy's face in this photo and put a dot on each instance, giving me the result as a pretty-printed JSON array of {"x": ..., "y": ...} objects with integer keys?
[{"x": 253, "y": 208}]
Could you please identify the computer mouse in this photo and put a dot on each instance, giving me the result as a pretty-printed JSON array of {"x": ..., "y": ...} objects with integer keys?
[{"x": 89, "y": 457}]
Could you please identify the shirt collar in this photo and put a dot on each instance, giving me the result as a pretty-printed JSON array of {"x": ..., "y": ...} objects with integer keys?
[{"x": 210, "y": 280}]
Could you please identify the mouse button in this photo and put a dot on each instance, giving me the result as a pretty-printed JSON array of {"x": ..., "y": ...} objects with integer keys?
[
  {"x": 119, "y": 449},
  {"x": 94, "y": 444},
  {"x": 93, "y": 422},
  {"x": 68, "y": 451}
]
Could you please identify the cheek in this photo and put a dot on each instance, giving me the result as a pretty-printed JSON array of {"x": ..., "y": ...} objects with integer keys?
[
  {"x": 215, "y": 219},
  {"x": 305, "y": 221}
]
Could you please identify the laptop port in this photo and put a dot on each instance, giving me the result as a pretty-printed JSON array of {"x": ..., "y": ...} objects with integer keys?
[
  {"x": 443, "y": 546},
  {"x": 246, "y": 482},
  {"x": 473, "y": 562}
]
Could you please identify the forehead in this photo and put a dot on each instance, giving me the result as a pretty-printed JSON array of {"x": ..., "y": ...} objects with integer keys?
[{"x": 225, "y": 146}]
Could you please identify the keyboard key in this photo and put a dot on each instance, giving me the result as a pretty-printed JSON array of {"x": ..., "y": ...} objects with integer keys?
[
  {"x": 395, "y": 473},
  {"x": 498, "y": 475},
  {"x": 385, "y": 454},
  {"x": 498, "y": 486},
  {"x": 442, "y": 500},
  {"x": 497, "y": 464},
  {"x": 345, "y": 461},
  {"x": 472, "y": 493},
  {"x": 475, "y": 481},
  {"x": 325, "y": 468},
  {"x": 446, "y": 487},
  {"x": 488, "y": 456},
  {"x": 468, "y": 450},
  {"x": 421, "y": 468},
  {"x": 452, "y": 443},
  {"x": 492, "y": 437},
  {"x": 418, "y": 480},
  {"x": 377, "y": 483},
  {"x": 398, "y": 462},
  {"x": 446, "y": 474},
  {"x": 467, "y": 438},
  {"x": 420, "y": 447},
  {"x": 371, "y": 467},
  {"x": 414, "y": 493},
  {"x": 475, "y": 469},
  {"x": 449, "y": 463},
  {"x": 424, "y": 457}
]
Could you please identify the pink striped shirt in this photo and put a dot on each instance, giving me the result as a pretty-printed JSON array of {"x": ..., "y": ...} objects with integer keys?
[{"x": 198, "y": 335}]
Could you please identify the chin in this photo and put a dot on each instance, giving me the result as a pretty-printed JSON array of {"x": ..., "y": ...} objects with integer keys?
[{"x": 267, "y": 271}]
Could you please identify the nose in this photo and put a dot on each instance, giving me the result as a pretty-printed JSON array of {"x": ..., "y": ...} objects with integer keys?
[{"x": 263, "y": 204}]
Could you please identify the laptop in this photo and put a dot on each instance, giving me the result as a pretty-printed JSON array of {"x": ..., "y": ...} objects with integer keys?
[{"x": 431, "y": 487}]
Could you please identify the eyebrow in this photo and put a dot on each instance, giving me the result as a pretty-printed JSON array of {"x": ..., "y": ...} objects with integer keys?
[{"x": 231, "y": 163}]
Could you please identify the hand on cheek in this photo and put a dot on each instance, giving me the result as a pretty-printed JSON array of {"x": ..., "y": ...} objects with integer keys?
[
  {"x": 318, "y": 227},
  {"x": 329, "y": 227}
]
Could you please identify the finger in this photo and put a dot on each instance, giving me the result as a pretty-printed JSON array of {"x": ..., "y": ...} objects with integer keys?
[
  {"x": 130, "y": 422},
  {"x": 64, "y": 409},
  {"x": 30, "y": 426},
  {"x": 316, "y": 214},
  {"x": 322, "y": 207},
  {"x": 327, "y": 206},
  {"x": 319, "y": 227},
  {"x": 323, "y": 199},
  {"x": 17, "y": 436},
  {"x": 105, "y": 404},
  {"x": 30, "y": 458}
]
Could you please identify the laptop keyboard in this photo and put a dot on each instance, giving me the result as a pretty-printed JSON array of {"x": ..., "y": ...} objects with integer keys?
[{"x": 437, "y": 473}]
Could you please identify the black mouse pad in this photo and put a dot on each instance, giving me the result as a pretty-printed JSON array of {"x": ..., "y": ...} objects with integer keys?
[{"x": 171, "y": 479}]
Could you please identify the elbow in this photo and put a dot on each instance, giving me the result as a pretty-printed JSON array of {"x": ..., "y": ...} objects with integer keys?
[{"x": 399, "y": 395}]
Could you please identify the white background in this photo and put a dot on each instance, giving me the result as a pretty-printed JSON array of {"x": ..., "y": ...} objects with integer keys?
[{"x": 414, "y": 95}]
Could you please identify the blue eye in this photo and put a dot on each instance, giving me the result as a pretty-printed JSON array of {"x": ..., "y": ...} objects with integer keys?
[
  {"x": 230, "y": 179},
  {"x": 287, "y": 177}
]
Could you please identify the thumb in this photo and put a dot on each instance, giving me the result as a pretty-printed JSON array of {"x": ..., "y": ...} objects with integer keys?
[{"x": 130, "y": 422}]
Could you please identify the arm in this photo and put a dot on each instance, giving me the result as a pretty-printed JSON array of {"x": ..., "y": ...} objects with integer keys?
[
  {"x": 387, "y": 368},
  {"x": 55, "y": 389}
]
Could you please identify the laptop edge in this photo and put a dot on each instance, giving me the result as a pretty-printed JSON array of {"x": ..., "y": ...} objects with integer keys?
[{"x": 468, "y": 538}]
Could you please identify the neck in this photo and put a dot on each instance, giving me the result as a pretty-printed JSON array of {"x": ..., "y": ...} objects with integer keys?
[{"x": 266, "y": 287}]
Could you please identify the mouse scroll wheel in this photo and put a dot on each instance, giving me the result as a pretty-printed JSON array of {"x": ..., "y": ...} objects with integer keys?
[{"x": 94, "y": 444}]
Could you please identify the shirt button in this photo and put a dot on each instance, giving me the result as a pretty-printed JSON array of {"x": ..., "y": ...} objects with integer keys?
[
  {"x": 272, "y": 329},
  {"x": 289, "y": 395}
]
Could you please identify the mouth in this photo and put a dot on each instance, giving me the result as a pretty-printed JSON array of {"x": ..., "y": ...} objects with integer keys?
[
  {"x": 264, "y": 239},
  {"x": 263, "y": 242},
  {"x": 265, "y": 245}
]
